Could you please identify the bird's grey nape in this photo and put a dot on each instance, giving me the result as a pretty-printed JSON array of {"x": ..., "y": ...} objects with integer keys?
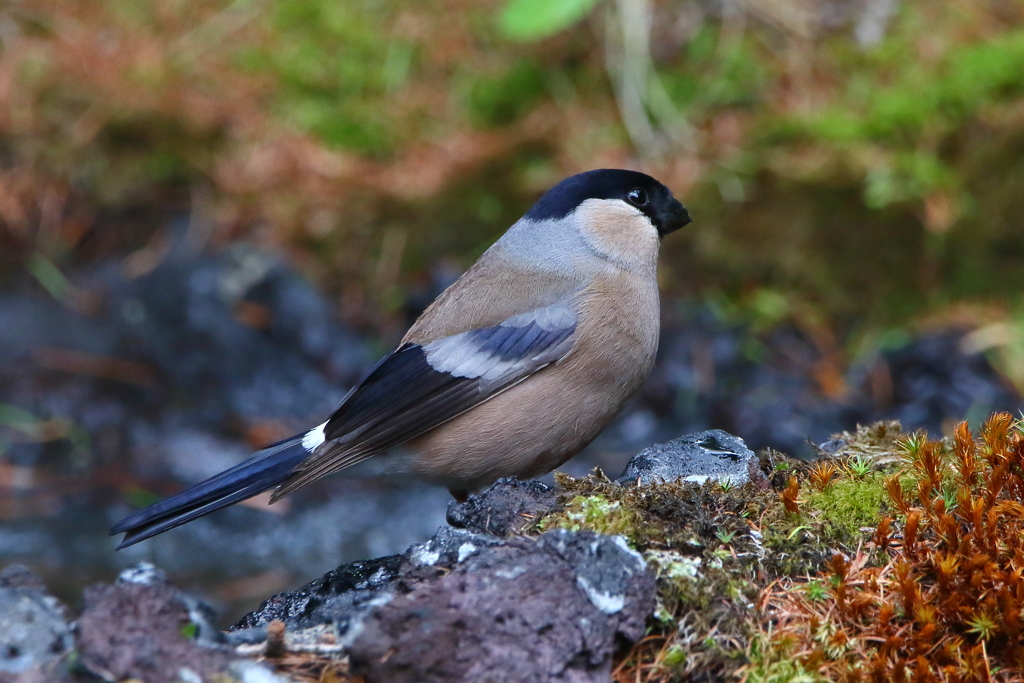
[{"x": 554, "y": 246}]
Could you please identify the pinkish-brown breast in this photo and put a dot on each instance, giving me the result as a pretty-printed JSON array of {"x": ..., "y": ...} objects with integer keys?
[{"x": 537, "y": 425}]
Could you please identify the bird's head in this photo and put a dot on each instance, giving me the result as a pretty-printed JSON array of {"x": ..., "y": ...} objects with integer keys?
[
  {"x": 614, "y": 215},
  {"x": 613, "y": 193}
]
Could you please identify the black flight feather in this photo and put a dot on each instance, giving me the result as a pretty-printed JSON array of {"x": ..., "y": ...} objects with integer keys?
[
  {"x": 402, "y": 397},
  {"x": 265, "y": 470}
]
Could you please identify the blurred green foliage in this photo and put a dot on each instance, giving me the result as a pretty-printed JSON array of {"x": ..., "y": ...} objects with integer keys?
[
  {"x": 838, "y": 169},
  {"x": 704, "y": 75},
  {"x": 911, "y": 113},
  {"x": 534, "y": 19},
  {"x": 332, "y": 67},
  {"x": 501, "y": 99}
]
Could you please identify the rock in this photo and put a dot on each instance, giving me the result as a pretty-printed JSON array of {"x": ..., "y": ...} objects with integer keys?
[
  {"x": 444, "y": 551},
  {"x": 141, "y": 629},
  {"x": 20, "y": 576},
  {"x": 831, "y": 447},
  {"x": 712, "y": 454},
  {"x": 471, "y": 606},
  {"x": 143, "y": 573},
  {"x": 606, "y": 570},
  {"x": 200, "y": 614},
  {"x": 338, "y": 594},
  {"x": 34, "y": 631},
  {"x": 344, "y": 596},
  {"x": 494, "y": 616},
  {"x": 504, "y": 508}
]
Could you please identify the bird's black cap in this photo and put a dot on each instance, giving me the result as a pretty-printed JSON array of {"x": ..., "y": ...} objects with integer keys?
[{"x": 635, "y": 188}]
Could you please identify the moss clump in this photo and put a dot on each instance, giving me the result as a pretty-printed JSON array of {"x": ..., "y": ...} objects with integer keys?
[
  {"x": 877, "y": 444},
  {"x": 719, "y": 551},
  {"x": 849, "y": 505},
  {"x": 937, "y": 593},
  {"x": 704, "y": 544},
  {"x": 833, "y": 501},
  {"x": 597, "y": 513},
  {"x": 678, "y": 515},
  {"x": 771, "y": 662}
]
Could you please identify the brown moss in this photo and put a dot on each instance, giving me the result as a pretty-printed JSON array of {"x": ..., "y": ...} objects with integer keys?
[{"x": 945, "y": 602}]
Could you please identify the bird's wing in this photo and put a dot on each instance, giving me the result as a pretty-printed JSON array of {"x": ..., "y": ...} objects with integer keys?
[{"x": 418, "y": 387}]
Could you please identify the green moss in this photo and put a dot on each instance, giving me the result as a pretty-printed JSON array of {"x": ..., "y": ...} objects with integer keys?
[
  {"x": 703, "y": 548},
  {"x": 675, "y": 657},
  {"x": 849, "y": 504},
  {"x": 774, "y": 663},
  {"x": 597, "y": 513},
  {"x": 816, "y": 591}
]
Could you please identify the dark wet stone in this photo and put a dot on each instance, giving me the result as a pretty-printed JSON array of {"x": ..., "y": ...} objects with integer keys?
[
  {"x": 343, "y": 596},
  {"x": 712, "y": 454},
  {"x": 492, "y": 617},
  {"x": 34, "y": 630},
  {"x": 504, "y": 508},
  {"x": 333, "y": 596}
]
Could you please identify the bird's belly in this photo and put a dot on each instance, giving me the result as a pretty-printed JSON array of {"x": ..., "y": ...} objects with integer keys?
[{"x": 533, "y": 427}]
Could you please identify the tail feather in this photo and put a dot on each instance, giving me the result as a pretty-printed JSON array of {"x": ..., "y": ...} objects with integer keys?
[{"x": 265, "y": 470}]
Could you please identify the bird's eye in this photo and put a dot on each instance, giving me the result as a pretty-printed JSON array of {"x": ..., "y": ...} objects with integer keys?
[{"x": 637, "y": 197}]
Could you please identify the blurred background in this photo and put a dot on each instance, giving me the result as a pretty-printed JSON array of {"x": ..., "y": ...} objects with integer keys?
[{"x": 215, "y": 215}]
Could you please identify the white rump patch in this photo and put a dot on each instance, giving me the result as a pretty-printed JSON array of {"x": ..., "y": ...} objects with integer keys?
[{"x": 313, "y": 438}]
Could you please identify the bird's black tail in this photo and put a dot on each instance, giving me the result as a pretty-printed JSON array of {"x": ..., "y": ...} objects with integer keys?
[{"x": 265, "y": 470}]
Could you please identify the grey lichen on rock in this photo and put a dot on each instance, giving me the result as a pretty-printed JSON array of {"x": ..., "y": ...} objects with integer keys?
[
  {"x": 709, "y": 455},
  {"x": 34, "y": 630}
]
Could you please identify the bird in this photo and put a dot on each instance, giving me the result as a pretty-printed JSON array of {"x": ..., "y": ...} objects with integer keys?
[{"x": 510, "y": 372}]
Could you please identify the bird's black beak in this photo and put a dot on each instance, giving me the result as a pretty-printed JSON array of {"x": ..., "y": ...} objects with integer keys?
[{"x": 673, "y": 217}]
